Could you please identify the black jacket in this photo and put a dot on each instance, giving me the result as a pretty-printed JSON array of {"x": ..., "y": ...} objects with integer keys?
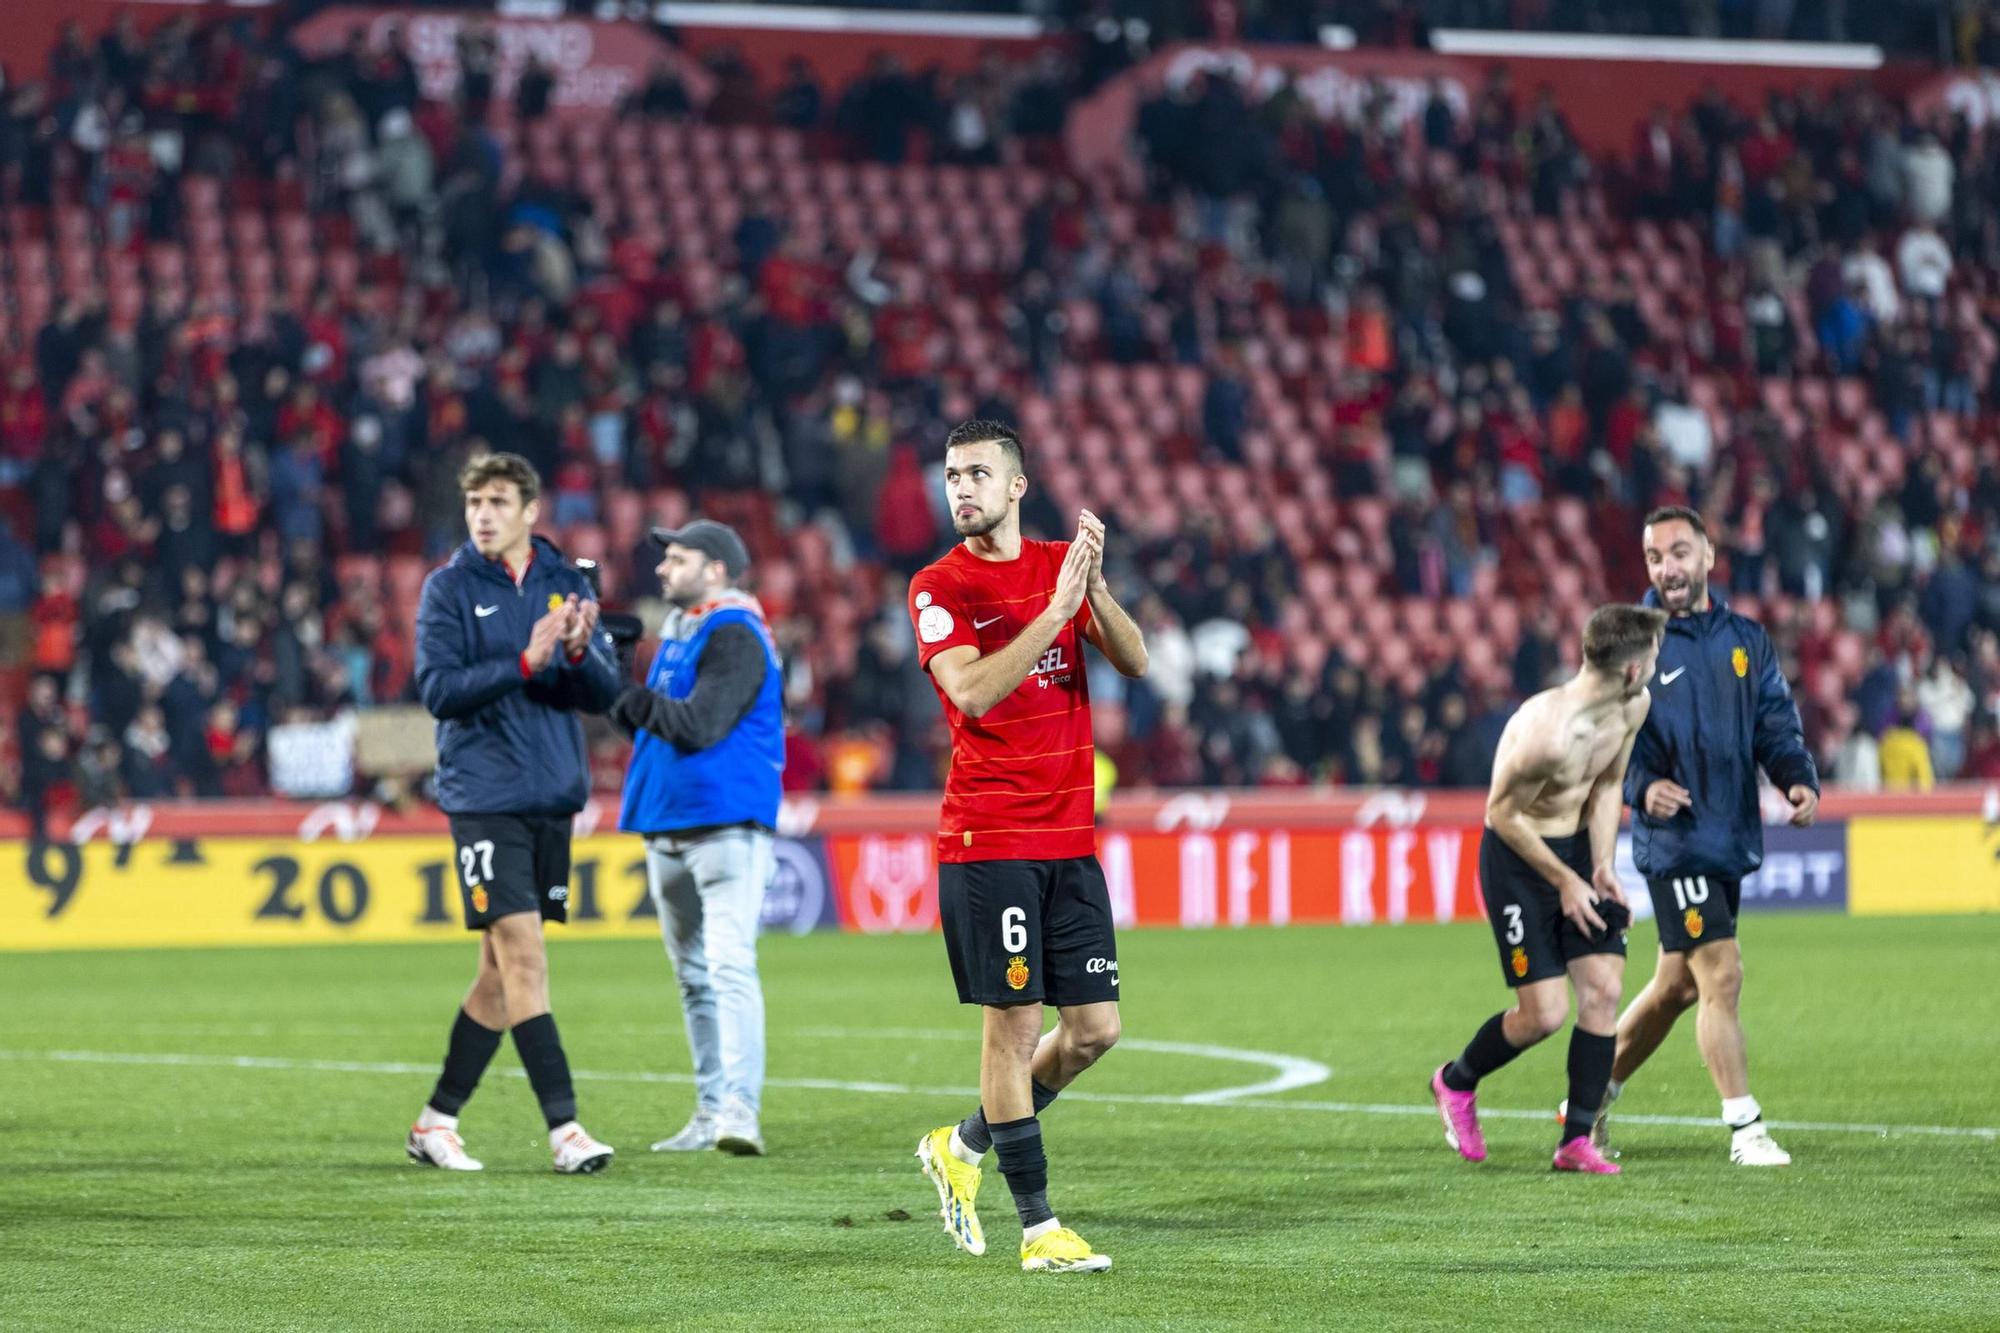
[
  {"x": 507, "y": 744},
  {"x": 1721, "y": 709}
]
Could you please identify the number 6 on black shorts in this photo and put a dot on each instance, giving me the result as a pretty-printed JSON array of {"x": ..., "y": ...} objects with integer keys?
[{"x": 1026, "y": 932}]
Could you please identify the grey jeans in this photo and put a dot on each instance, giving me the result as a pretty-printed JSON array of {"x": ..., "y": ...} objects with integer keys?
[{"x": 709, "y": 892}]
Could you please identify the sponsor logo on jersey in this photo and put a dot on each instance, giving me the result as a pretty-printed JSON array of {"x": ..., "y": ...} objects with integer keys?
[
  {"x": 479, "y": 900},
  {"x": 1693, "y": 921},
  {"x": 555, "y": 600},
  {"x": 1048, "y": 665},
  {"x": 1740, "y": 659},
  {"x": 923, "y": 600},
  {"x": 1519, "y": 961},
  {"x": 1017, "y": 972}
]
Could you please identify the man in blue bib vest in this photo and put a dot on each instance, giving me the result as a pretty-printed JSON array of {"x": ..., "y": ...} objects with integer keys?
[{"x": 708, "y": 749}]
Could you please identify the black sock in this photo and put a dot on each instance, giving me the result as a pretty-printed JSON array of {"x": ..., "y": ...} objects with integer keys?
[
  {"x": 1019, "y": 1143},
  {"x": 1589, "y": 1070},
  {"x": 1488, "y": 1050},
  {"x": 974, "y": 1132},
  {"x": 472, "y": 1047},
  {"x": 548, "y": 1068}
]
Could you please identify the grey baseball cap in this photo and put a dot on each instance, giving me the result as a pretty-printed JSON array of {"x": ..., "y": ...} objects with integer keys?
[{"x": 717, "y": 541}]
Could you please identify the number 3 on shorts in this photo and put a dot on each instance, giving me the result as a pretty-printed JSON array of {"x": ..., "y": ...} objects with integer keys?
[
  {"x": 1515, "y": 930},
  {"x": 1014, "y": 929}
]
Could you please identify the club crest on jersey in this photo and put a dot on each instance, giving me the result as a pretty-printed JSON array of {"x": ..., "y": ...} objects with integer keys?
[
  {"x": 1017, "y": 972},
  {"x": 1693, "y": 920},
  {"x": 479, "y": 900},
  {"x": 555, "y": 600},
  {"x": 1519, "y": 961},
  {"x": 1741, "y": 661}
]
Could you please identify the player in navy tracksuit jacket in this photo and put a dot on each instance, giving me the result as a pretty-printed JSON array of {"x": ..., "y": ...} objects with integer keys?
[
  {"x": 508, "y": 652},
  {"x": 1721, "y": 710}
]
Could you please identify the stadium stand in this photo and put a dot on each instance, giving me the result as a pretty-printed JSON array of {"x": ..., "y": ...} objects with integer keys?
[{"x": 1373, "y": 415}]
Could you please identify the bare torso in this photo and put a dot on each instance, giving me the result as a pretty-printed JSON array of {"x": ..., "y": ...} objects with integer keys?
[{"x": 1583, "y": 740}]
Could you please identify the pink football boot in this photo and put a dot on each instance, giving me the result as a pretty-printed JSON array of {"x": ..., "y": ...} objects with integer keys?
[
  {"x": 1460, "y": 1113},
  {"x": 1580, "y": 1154}
]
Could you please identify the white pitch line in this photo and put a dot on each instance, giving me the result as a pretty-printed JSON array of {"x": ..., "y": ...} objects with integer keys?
[
  {"x": 267, "y": 1062},
  {"x": 1290, "y": 1071}
]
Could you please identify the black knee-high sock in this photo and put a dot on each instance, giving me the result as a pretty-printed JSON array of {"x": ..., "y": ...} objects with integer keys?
[
  {"x": 1589, "y": 1072},
  {"x": 1487, "y": 1051},
  {"x": 1019, "y": 1144},
  {"x": 976, "y": 1134},
  {"x": 472, "y": 1047},
  {"x": 548, "y": 1068}
]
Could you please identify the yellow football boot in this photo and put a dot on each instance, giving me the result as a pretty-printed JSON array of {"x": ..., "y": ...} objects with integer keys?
[
  {"x": 1061, "y": 1251},
  {"x": 957, "y": 1186}
]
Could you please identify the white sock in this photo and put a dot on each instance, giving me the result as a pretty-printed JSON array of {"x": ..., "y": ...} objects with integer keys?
[
  {"x": 430, "y": 1118},
  {"x": 1740, "y": 1112},
  {"x": 1611, "y": 1091},
  {"x": 963, "y": 1153},
  {"x": 1039, "y": 1230},
  {"x": 556, "y": 1134}
]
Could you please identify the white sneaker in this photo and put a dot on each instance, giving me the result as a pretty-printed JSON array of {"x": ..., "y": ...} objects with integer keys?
[
  {"x": 578, "y": 1154},
  {"x": 698, "y": 1135},
  {"x": 1752, "y": 1146},
  {"x": 439, "y": 1145},
  {"x": 737, "y": 1131}
]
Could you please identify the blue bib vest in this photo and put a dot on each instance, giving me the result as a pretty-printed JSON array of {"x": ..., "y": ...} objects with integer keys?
[{"x": 734, "y": 781}]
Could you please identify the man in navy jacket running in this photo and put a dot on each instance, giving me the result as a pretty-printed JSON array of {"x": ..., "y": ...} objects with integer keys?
[
  {"x": 1721, "y": 710},
  {"x": 507, "y": 655}
]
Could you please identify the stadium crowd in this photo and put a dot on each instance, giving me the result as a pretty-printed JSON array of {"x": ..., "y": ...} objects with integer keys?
[{"x": 176, "y": 492}]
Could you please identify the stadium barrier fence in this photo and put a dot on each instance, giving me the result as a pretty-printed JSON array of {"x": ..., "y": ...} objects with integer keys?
[{"x": 277, "y": 872}]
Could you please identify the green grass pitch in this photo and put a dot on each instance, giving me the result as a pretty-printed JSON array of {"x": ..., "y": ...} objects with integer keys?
[{"x": 258, "y": 1180}]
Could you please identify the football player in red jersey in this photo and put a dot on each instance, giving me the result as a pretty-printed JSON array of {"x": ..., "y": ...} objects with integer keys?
[{"x": 1001, "y": 622}]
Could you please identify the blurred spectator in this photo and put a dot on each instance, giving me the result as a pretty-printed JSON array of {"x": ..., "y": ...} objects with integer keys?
[
  {"x": 220, "y": 507},
  {"x": 1945, "y": 698},
  {"x": 1906, "y": 759}
]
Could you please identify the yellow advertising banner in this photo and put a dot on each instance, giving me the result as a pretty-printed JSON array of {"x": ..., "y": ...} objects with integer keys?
[
  {"x": 163, "y": 893},
  {"x": 1917, "y": 866}
]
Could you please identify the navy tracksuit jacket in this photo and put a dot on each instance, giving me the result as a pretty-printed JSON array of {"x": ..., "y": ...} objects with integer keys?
[
  {"x": 1721, "y": 709},
  {"x": 507, "y": 744}
]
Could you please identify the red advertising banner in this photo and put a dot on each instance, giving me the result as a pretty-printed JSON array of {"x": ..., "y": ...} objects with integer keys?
[
  {"x": 1604, "y": 99},
  {"x": 1973, "y": 93},
  {"x": 915, "y": 816},
  {"x": 596, "y": 64}
]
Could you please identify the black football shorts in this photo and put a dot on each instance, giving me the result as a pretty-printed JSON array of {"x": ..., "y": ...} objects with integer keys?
[
  {"x": 1536, "y": 940},
  {"x": 1694, "y": 909},
  {"x": 511, "y": 863},
  {"x": 1022, "y": 932}
]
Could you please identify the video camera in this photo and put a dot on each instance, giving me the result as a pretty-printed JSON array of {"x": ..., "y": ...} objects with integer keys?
[{"x": 624, "y": 628}]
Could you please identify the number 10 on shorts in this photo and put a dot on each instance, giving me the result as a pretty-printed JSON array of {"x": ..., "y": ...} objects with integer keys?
[{"x": 1690, "y": 892}]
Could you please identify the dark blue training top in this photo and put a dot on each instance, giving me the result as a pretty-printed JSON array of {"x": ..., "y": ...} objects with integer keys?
[
  {"x": 1721, "y": 709},
  {"x": 507, "y": 745}
]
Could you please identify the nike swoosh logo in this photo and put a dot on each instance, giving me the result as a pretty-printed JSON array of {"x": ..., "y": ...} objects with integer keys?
[
  {"x": 982, "y": 624},
  {"x": 484, "y": 610},
  {"x": 1669, "y": 677}
]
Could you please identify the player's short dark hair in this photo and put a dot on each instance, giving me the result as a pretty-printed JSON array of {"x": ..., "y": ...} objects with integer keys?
[
  {"x": 1668, "y": 513},
  {"x": 982, "y": 430},
  {"x": 489, "y": 468},
  {"x": 1615, "y": 635}
]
